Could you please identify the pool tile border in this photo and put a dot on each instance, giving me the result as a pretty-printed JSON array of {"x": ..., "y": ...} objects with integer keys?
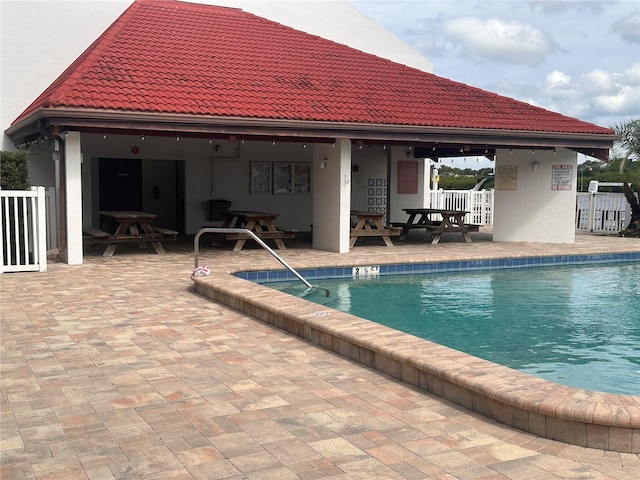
[
  {"x": 279, "y": 275},
  {"x": 567, "y": 414}
]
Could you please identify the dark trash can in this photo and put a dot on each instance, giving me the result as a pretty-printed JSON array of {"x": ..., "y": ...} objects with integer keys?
[{"x": 216, "y": 207}]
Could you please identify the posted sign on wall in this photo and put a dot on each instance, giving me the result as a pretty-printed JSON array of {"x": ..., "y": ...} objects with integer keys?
[
  {"x": 507, "y": 177},
  {"x": 561, "y": 177},
  {"x": 408, "y": 177}
]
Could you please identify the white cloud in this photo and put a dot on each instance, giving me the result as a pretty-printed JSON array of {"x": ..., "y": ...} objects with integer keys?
[
  {"x": 564, "y": 7},
  {"x": 628, "y": 28},
  {"x": 556, "y": 79},
  {"x": 598, "y": 81},
  {"x": 577, "y": 57},
  {"x": 597, "y": 96},
  {"x": 504, "y": 41},
  {"x": 626, "y": 101},
  {"x": 632, "y": 74}
]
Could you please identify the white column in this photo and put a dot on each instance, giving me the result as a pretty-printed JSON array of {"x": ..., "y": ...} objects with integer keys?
[
  {"x": 529, "y": 204},
  {"x": 72, "y": 254},
  {"x": 332, "y": 196}
]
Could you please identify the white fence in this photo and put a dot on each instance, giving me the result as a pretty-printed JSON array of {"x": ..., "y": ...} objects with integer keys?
[
  {"x": 602, "y": 212},
  {"x": 478, "y": 203},
  {"x": 24, "y": 244}
]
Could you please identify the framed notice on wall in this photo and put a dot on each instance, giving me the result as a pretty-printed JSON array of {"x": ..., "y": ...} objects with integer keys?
[
  {"x": 507, "y": 177},
  {"x": 561, "y": 177},
  {"x": 408, "y": 177}
]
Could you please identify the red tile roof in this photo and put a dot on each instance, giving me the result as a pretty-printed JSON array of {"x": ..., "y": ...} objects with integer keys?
[{"x": 176, "y": 57}]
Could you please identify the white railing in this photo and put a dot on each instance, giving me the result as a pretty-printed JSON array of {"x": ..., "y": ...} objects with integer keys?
[
  {"x": 602, "y": 212},
  {"x": 479, "y": 204},
  {"x": 24, "y": 246}
]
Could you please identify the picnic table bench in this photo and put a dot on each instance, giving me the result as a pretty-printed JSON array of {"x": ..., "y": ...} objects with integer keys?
[
  {"x": 131, "y": 227},
  {"x": 260, "y": 223},
  {"x": 369, "y": 224},
  {"x": 448, "y": 221}
]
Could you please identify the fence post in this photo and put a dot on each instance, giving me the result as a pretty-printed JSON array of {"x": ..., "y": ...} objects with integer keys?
[
  {"x": 41, "y": 229},
  {"x": 592, "y": 211}
]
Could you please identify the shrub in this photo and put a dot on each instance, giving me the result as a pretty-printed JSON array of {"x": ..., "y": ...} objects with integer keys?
[{"x": 14, "y": 170}]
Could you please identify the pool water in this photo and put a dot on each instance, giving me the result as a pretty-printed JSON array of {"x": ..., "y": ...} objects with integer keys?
[{"x": 575, "y": 325}]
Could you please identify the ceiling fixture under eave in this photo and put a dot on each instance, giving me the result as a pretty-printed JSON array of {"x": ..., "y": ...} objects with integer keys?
[{"x": 434, "y": 152}]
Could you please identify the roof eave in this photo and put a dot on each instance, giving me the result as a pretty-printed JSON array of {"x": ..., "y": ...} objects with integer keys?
[{"x": 69, "y": 118}]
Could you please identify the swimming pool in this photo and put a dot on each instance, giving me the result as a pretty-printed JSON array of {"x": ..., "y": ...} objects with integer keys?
[{"x": 575, "y": 325}]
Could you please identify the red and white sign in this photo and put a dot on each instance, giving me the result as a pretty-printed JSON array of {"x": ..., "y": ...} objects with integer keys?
[{"x": 561, "y": 177}]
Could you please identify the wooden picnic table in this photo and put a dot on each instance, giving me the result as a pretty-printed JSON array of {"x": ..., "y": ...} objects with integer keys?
[
  {"x": 369, "y": 224},
  {"x": 436, "y": 221},
  {"x": 260, "y": 223},
  {"x": 129, "y": 227}
]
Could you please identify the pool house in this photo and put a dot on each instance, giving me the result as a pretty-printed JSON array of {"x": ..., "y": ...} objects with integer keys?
[{"x": 181, "y": 109}]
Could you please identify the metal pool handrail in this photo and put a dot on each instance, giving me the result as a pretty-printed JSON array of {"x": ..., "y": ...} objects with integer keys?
[{"x": 196, "y": 250}]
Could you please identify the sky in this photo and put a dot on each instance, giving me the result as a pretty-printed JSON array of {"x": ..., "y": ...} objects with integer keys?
[{"x": 578, "y": 58}]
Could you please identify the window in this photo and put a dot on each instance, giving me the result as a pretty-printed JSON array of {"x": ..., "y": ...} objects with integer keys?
[
  {"x": 260, "y": 178},
  {"x": 301, "y": 178},
  {"x": 280, "y": 178},
  {"x": 282, "y": 182}
]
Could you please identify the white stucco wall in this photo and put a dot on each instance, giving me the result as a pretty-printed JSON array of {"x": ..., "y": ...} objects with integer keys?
[
  {"x": 72, "y": 254},
  {"x": 408, "y": 200},
  {"x": 332, "y": 196},
  {"x": 231, "y": 181},
  {"x": 533, "y": 211},
  {"x": 39, "y": 40},
  {"x": 369, "y": 164}
]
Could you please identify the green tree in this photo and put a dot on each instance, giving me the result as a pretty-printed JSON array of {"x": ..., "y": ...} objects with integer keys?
[
  {"x": 14, "y": 170},
  {"x": 628, "y": 147},
  {"x": 628, "y": 161},
  {"x": 452, "y": 178},
  {"x": 14, "y": 175},
  {"x": 624, "y": 163}
]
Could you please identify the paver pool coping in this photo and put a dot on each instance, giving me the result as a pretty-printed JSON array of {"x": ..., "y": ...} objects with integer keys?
[{"x": 576, "y": 416}]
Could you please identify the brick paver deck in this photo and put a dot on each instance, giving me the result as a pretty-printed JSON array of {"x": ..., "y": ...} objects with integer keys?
[{"x": 117, "y": 369}]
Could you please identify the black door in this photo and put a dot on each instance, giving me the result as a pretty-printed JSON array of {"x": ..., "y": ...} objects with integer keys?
[{"x": 120, "y": 184}]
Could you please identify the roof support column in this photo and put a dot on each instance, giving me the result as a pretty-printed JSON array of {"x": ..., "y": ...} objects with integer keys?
[
  {"x": 72, "y": 178},
  {"x": 332, "y": 196},
  {"x": 535, "y": 196}
]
